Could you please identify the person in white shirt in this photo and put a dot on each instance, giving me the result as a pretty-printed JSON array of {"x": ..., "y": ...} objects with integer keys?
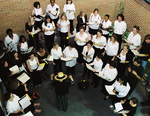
[
  {"x": 53, "y": 11},
  {"x": 71, "y": 52},
  {"x": 69, "y": 10},
  {"x": 88, "y": 54},
  {"x": 97, "y": 63},
  {"x": 56, "y": 52},
  {"x": 48, "y": 28},
  {"x": 37, "y": 13},
  {"x": 111, "y": 49},
  {"x": 120, "y": 27},
  {"x": 94, "y": 22},
  {"x": 134, "y": 38},
  {"x": 81, "y": 39},
  {"x": 64, "y": 26},
  {"x": 99, "y": 42},
  {"x": 11, "y": 38},
  {"x": 105, "y": 25}
]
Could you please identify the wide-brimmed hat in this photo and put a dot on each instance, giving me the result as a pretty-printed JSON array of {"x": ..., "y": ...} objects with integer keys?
[{"x": 60, "y": 76}]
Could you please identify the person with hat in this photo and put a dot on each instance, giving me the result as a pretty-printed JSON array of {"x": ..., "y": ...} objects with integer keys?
[{"x": 61, "y": 84}]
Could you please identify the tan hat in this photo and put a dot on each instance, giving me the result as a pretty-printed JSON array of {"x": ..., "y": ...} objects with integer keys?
[{"x": 60, "y": 76}]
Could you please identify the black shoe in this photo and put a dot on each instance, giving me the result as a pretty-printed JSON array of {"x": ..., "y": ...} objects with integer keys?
[
  {"x": 145, "y": 103},
  {"x": 92, "y": 83}
]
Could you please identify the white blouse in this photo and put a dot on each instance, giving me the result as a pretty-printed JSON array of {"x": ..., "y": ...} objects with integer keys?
[
  {"x": 135, "y": 39},
  {"x": 97, "y": 65},
  {"x": 56, "y": 53},
  {"x": 122, "y": 58},
  {"x": 90, "y": 53},
  {"x": 106, "y": 25},
  {"x": 67, "y": 8},
  {"x": 48, "y": 27},
  {"x": 93, "y": 19},
  {"x": 109, "y": 73},
  {"x": 122, "y": 89},
  {"x": 24, "y": 46},
  {"x": 119, "y": 27},
  {"x": 64, "y": 25},
  {"x": 80, "y": 40},
  {"x": 71, "y": 53},
  {"x": 38, "y": 12},
  {"x": 14, "y": 41},
  {"x": 99, "y": 41},
  {"x": 33, "y": 63},
  {"x": 112, "y": 48}
]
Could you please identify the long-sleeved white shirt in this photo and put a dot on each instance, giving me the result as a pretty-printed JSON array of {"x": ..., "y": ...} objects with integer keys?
[
  {"x": 53, "y": 10},
  {"x": 99, "y": 41},
  {"x": 119, "y": 27},
  {"x": 94, "y": 19},
  {"x": 56, "y": 53},
  {"x": 122, "y": 89},
  {"x": 90, "y": 53},
  {"x": 97, "y": 65},
  {"x": 135, "y": 39},
  {"x": 109, "y": 73},
  {"x": 71, "y": 8}
]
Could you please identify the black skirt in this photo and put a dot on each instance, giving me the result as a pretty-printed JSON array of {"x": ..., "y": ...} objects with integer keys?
[{"x": 93, "y": 31}]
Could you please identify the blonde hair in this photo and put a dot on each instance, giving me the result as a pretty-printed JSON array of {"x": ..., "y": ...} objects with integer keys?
[
  {"x": 29, "y": 20},
  {"x": 63, "y": 14}
]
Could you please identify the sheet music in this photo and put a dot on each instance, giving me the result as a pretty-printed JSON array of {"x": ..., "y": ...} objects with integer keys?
[
  {"x": 124, "y": 112},
  {"x": 29, "y": 50},
  {"x": 49, "y": 58},
  {"x": 40, "y": 67},
  {"x": 66, "y": 59},
  {"x": 110, "y": 89},
  {"x": 89, "y": 67},
  {"x": 28, "y": 114},
  {"x": 118, "y": 107},
  {"x": 35, "y": 32},
  {"x": 136, "y": 53},
  {"x": 23, "y": 78},
  {"x": 14, "y": 69},
  {"x": 24, "y": 102}
]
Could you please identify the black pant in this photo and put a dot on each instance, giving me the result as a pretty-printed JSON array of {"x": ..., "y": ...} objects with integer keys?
[
  {"x": 55, "y": 21},
  {"x": 49, "y": 40},
  {"x": 71, "y": 26},
  {"x": 106, "y": 59},
  {"x": 119, "y": 39},
  {"x": 39, "y": 24},
  {"x": 57, "y": 66},
  {"x": 80, "y": 57},
  {"x": 106, "y": 36},
  {"x": 63, "y": 40},
  {"x": 86, "y": 70},
  {"x": 98, "y": 51},
  {"x": 70, "y": 70},
  {"x": 95, "y": 79},
  {"x": 36, "y": 78}
]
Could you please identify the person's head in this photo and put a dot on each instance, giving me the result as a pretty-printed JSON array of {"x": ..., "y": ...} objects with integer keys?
[
  {"x": 14, "y": 84},
  {"x": 71, "y": 45},
  {"x": 98, "y": 56},
  {"x": 122, "y": 79},
  {"x": 112, "y": 64},
  {"x": 8, "y": 96},
  {"x": 4, "y": 63},
  {"x": 89, "y": 44},
  {"x": 137, "y": 61},
  {"x": 126, "y": 48},
  {"x": 22, "y": 39},
  {"x": 113, "y": 38},
  {"x": 68, "y": 1},
  {"x": 96, "y": 11},
  {"x": 106, "y": 17},
  {"x": 135, "y": 29},
  {"x": 82, "y": 30},
  {"x": 55, "y": 45},
  {"x": 82, "y": 13},
  {"x": 31, "y": 56},
  {"x": 14, "y": 54},
  {"x": 99, "y": 33},
  {"x": 133, "y": 102},
  {"x": 147, "y": 38},
  {"x": 40, "y": 49},
  {"x": 30, "y": 19},
  {"x": 63, "y": 16},
  {"x": 9, "y": 32},
  {"x": 52, "y": 2},
  {"x": 120, "y": 17},
  {"x": 60, "y": 77},
  {"x": 47, "y": 19},
  {"x": 36, "y": 4}
]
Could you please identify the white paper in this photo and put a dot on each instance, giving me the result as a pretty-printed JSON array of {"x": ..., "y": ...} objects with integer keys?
[
  {"x": 23, "y": 78},
  {"x": 89, "y": 67},
  {"x": 118, "y": 107},
  {"x": 35, "y": 32},
  {"x": 99, "y": 74},
  {"x": 14, "y": 69},
  {"x": 136, "y": 53},
  {"x": 124, "y": 112},
  {"x": 9, "y": 47},
  {"x": 40, "y": 67},
  {"x": 66, "y": 59},
  {"x": 110, "y": 89},
  {"x": 29, "y": 50},
  {"x": 29, "y": 114},
  {"x": 24, "y": 102},
  {"x": 49, "y": 58}
]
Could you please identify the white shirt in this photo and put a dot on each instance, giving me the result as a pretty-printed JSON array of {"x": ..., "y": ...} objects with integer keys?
[
  {"x": 82, "y": 39},
  {"x": 33, "y": 64},
  {"x": 122, "y": 58},
  {"x": 37, "y": 12},
  {"x": 24, "y": 46},
  {"x": 73, "y": 53},
  {"x": 106, "y": 25},
  {"x": 99, "y": 41},
  {"x": 112, "y": 48},
  {"x": 56, "y": 53},
  {"x": 94, "y": 19},
  {"x": 90, "y": 53},
  {"x": 13, "y": 106},
  {"x": 122, "y": 89},
  {"x": 109, "y": 73},
  {"x": 97, "y": 65},
  {"x": 135, "y": 39},
  {"x": 67, "y": 8},
  {"x": 14, "y": 41},
  {"x": 48, "y": 27},
  {"x": 119, "y": 27},
  {"x": 64, "y": 25},
  {"x": 53, "y": 11}
]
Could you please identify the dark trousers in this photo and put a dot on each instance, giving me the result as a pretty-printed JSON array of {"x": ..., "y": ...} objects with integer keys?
[
  {"x": 119, "y": 39},
  {"x": 62, "y": 102},
  {"x": 71, "y": 26},
  {"x": 80, "y": 57},
  {"x": 36, "y": 78},
  {"x": 58, "y": 66},
  {"x": 106, "y": 59},
  {"x": 39, "y": 24},
  {"x": 63, "y": 40},
  {"x": 86, "y": 70},
  {"x": 98, "y": 51},
  {"x": 70, "y": 70},
  {"x": 95, "y": 79},
  {"x": 49, "y": 40},
  {"x": 55, "y": 21},
  {"x": 106, "y": 36}
]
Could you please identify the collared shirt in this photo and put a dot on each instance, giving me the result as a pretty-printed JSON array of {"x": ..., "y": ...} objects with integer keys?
[
  {"x": 106, "y": 25},
  {"x": 99, "y": 41},
  {"x": 97, "y": 65},
  {"x": 94, "y": 19},
  {"x": 48, "y": 27},
  {"x": 64, "y": 25},
  {"x": 135, "y": 39},
  {"x": 71, "y": 8},
  {"x": 56, "y": 53},
  {"x": 119, "y": 27},
  {"x": 82, "y": 39},
  {"x": 53, "y": 11}
]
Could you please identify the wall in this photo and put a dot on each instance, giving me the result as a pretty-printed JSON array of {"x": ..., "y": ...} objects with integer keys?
[{"x": 14, "y": 13}]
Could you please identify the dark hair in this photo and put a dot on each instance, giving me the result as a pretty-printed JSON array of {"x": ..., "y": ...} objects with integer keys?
[
  {"x": 55, "y": 43},
  {"x": 67, "y": 1},
  {"x": 52, "y": 0},
  {"x": 21, "y": 37},
  {"x": 120, "y": 15},
  {"x": 89, "y": 42},
  {"x": 71, "y": 44},
  {"x": 147, "y": 36},
  {"x": 47, "y": 17},
  {"x": 36, "y": 4},
  {"x": 127, "y": 46},
  {"x": 8, "y": 30},
  {"x": 96, "y": 9},
  {"x": 40, "y": 46},
  {"x": 81, "y": 28},
  {"x": 107, "y": 15},
  {"x": 138, "y": 60},
  {"x": 113, "y": 64},
  {"x": 100, "y": 31},
  {"x": 134, "y": 100},
  {"x": 123, "y": 78},
  {"x": 2, "y": 62},
  {"x": 12, "y": 114},
  {"x": 114, "y": 36},
  {"x": 7, "y": 96},
  {"x": 99, "y": 55},
  {"x": 14, "y": 84},
  {"x": 137, "y": 27}
]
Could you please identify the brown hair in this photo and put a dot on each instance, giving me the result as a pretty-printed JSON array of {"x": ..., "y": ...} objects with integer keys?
[
  {"x": 114, "y": 36},
  {"x": 63, "y": 14},
  {"x": 54, "y": 44},
  {"x": 29, "y": 20},
  {"x": 80, "y": 14}
]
